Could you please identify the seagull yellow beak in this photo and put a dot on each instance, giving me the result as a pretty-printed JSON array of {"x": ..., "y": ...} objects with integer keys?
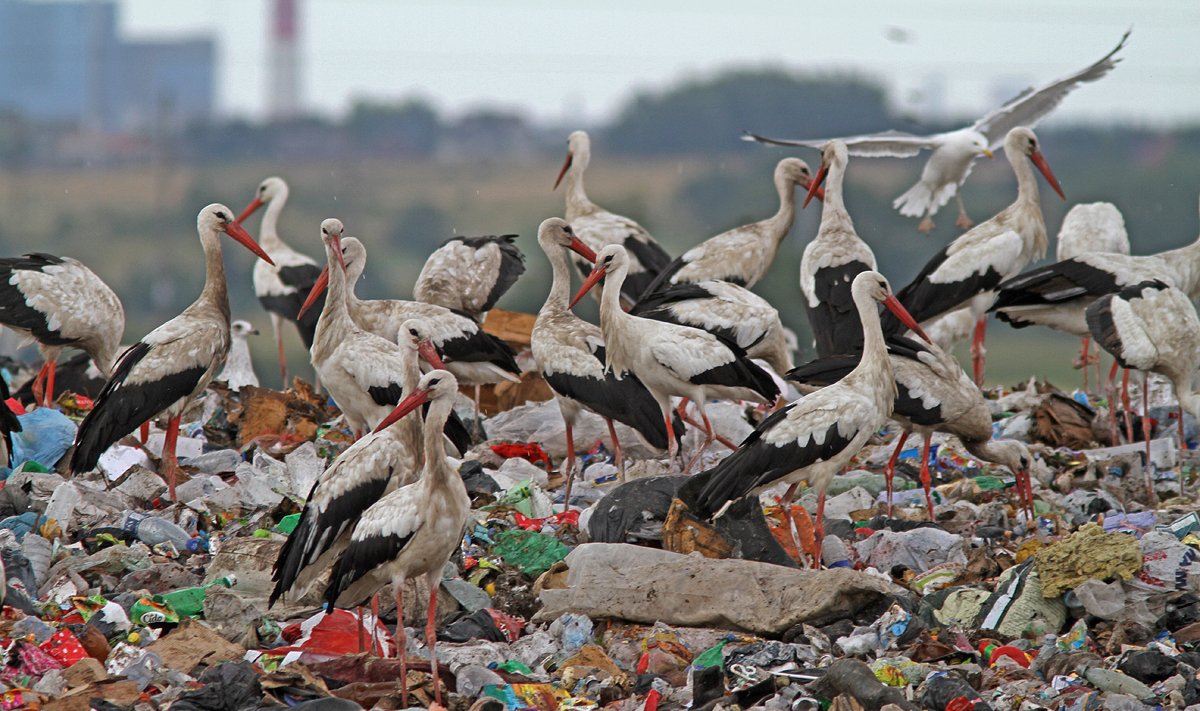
[{"x": 988, "y": 152}]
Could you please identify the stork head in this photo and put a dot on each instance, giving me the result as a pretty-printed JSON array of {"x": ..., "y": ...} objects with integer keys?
[
  {"x": 610, "y": 259},
  {"x": 354, "y": 256},
  {"x": 331, "y": 235},
  {"x": 579, "y": 152},
  {"x": 873, "y": 285},
  {"x": 415, "y": 334},
  {"x": 556, "y": 232},
  {"x": 242, "y": 329},
  {"x": 216, "y": 218},
  {"x": 833, "y": 153},
  {"x": 436, "y": 385},
  {"x": 796, "y": 172},
  {"x": 270, "y": 189},
  {"x": 1023, "y": 141},
  {"x": 1012, "y": 454}
]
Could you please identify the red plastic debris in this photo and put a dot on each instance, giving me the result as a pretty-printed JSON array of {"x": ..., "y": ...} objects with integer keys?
[
  {"x": 529, "y": 451},
  {"x": 536, "y": 524},
  {"x": 15, "y": 405}
]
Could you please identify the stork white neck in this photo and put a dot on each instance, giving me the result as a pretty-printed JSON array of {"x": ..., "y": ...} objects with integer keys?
[
  {"x": 834, "y": 217},
  {"x": 269, "y": 230},
  {"x": 577, "y": 200},
  {"x": 614, "y": 322},
  {"x": 779, "y": 224},
  {"x": 874, "y": 370},
  {"x": 334, "y": 324},
  {"x": 436, "y": 472},
  {"x": 216, "y": 289},
  {"x": 560, "y": 281}
]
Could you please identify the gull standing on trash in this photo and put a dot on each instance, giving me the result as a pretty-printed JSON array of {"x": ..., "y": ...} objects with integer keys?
[
  {"x": 968, "y": 270},
  {"x": 59, "y": 302},
  {"x": 239, "y": 369},
  {"x": 412, "y": 531},
  {"x": 369, "y": 469},
  {"x": 599, "y": 228},
  {"x": 744, "y": 254},
  {"x": 670, "y": 359},
  {"x": 570, "y": 354},
  {"x": 933, "y": 394},
  {"x": 954, "y": 153},
  {"x": 1152, "y": 327},
  {"x": 832, "y": 260},
  {"x": 470, "y": 274},
  {"x": 173, "y": 364},
  {"x": 281, "y": 286},
  {"x": 475, "y": 356},
  {"x": 814, "y": 437}
]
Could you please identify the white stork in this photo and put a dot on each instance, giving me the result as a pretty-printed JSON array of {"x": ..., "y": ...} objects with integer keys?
[
  {"x": 744, "y": 254},
  {"x": 933, "y": 394},
  {"x": 815, "y": 436},
  {"x": 239, "y": 368},
  {"x": 470, "y": 274},
  {"x": 1091, "y": 228},
  {"x": 670, "y": 359},
  {"x": 1152, "y": 327},
  {"x": 372, "y": 467},
  {"x": 599, "y": 228},
  {"x": 173, "y": 363},
  {"x": 570, "y": 354},
  {"x": 968, "y": 270},
  {"x": 281, "y": 287},
  {"x": 832, "y": 260},
  {"x": 954, "y": 153},
  {"x": 60, "y": 303},
  {"x": 412, "y": 531},
  {"x": 475, "y": 356}
]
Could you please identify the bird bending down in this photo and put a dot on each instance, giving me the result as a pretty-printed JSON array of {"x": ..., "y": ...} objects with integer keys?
[
  {"x": 1152, "y": 327},
  {"x": 570, "y": 354},
  {"x": 670, "y": 359},
  {"x": 598, "y": 228},
  {"x": 968, "y": 270},
  {"x": 412, "y": 531},
  {"x": 60, "y": 303},
  {"x": 744, "y": 254},
  {"x": 814, "y": 437},
  {"x": 470, "y": 274},
  {"x": 239, "y": 368},
  {"x": 933, "y": 394},
  {"x": 281, "y": 286},
  {"x": 369, "y": 469},
  {"x": 954, "y": 153},
  {"x": 173, "y": 363},
  {"x": 832, "y": 260}
]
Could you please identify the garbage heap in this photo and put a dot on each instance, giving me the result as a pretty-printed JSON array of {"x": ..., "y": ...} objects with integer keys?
[{"x": 117, "y": 598}]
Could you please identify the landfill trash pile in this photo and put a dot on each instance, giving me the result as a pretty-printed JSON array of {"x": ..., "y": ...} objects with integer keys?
[{"x": 118, "y": 598}]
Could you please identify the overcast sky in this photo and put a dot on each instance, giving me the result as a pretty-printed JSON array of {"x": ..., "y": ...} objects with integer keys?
[{"x": 578, "y": 61}]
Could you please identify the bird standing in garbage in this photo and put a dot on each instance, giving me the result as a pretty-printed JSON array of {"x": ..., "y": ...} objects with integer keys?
[
  {"x": 60, "y": 303},
  {"x": 412, "y": 531},
  {"x": 814, "y": 437},
  {"x": 173, "y": 363}
]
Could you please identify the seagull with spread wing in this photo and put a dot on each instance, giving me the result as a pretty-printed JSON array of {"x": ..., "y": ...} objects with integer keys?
[{"x": 954, "y": 153}]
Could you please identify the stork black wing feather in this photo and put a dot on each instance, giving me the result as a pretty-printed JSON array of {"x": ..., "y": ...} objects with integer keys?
[
  {"x": 15, "y": 310},
  {"x": 360, "y": 558}
]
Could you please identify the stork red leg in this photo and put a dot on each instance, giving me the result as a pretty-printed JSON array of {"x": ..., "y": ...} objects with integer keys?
[
  {"x": 401, "y": 639},
  {"x": 362, "y": 633},
  {"x": 1111, "y": 392},
  {"x": 612, "y": 433},
  {"x": 1126, "y": 406},
  {"x": 1182, "y": 446},
  {"x": 672, "y": 445},
  {"x": 1085, "y": 359},
  {"x": 1146, "y": 436},
  {"x": 431, "y": 635},
  {"x": 926, "y": 481},
  {"x": 683, "y": 415},
  {"x": 144, "y": 431},
  {"x": 889, "y": 472},
  {"x": 709, "y": 437},
  {"x": 374, "y": 617},
  {"x": 51, "y": 368},
  {"x": 39, "y": 384},
  {"x": 978, "y": 352},
  {"x": 569, "y": 467},
  {"x": 168, "y": 455},
  {"x": 819, "y": 525}
]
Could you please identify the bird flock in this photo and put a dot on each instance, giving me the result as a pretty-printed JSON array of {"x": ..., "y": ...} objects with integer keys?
[{"x": 673, "y": 335}]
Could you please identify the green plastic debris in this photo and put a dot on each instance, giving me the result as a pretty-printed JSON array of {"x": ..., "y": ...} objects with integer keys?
[
  {"x": 189, "y": 602},
  {"x": 531, "y": 552},
  {"x": 710, "y": 657},
  {"x": 988, "y": 482},
  {"x": 515, "y": 666},
  {"x": 261, "y": 533},
  {"x": 288, "y": 523},
  {"x": 519, "y": 497}
]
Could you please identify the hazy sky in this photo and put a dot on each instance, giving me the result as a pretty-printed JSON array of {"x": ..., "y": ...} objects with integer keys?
[{"x": 564, "y": 59}]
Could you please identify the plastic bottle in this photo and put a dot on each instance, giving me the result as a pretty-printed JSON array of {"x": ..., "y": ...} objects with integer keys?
[
  {"x": 834, "y": 553},
  {"x": 1049, "y": 649},
  {"x": 189, "y": 602},
  {"x": 153, "y": 530},
  {"x": 472, "y": 678},
  {"x": 1115, "y": 681}
]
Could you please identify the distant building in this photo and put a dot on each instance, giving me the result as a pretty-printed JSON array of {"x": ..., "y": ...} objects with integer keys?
[{"x": 63, "y": 62}]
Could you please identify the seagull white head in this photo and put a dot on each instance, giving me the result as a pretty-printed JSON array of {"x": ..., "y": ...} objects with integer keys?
[{"x": 241, "y": 329}]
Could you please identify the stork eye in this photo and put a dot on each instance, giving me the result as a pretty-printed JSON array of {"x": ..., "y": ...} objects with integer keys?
[
  {"x": 412, "y": 331},
  {"x": 568, "y": 230},
  {"x": 434, "y": 382},
  {"x": 221, "y": 215}
]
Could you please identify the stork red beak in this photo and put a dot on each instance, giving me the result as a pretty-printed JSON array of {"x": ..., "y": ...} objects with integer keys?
[
  {"x": 237, "y": 232},
  {"x": 592, "y": 279},
  {"x": 814, "y": 185},
  {"x": 337, "y": 250},
  {"x": 407, "y": 405},
  {"x": 905, "y": 317},
  {"x": 565, "y": 168},
  {"x": 318, "y": 289},
  {"x": 1040, "y": 161},
  {"x": 578, "y": 247},
  {"x": 430, "y": 354},
  {"x": 250, "y": 209}
]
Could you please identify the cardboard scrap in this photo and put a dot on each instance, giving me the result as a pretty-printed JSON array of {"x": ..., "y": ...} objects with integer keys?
[
  {"x": 192, "y": 644},
  {"x": 1089, "y": 554}
]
